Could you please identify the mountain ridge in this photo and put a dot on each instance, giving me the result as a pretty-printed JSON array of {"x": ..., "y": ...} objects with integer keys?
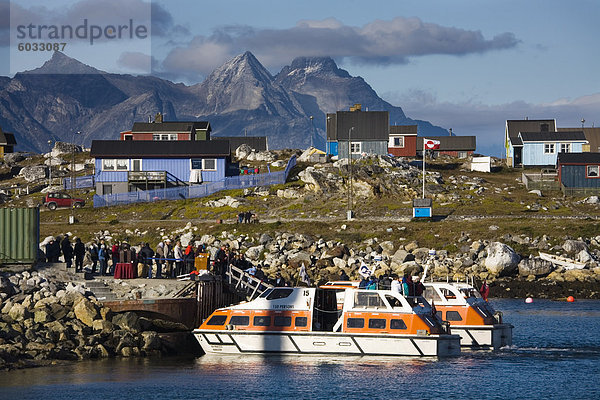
[{"x": 239, "y": 97}]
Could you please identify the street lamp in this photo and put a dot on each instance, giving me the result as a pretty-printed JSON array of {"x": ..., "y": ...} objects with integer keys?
[
  {"x": 349, "y": 215},
  {"x": 72, "y": 218},
  {"x": 50, "y": 164}
]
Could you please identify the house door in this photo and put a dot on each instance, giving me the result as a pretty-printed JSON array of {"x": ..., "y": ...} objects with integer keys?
[
  {"x": 136, "y": 165},
  {"x": 518, "y": 156}
]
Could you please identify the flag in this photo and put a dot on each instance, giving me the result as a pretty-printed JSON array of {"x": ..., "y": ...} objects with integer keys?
[
  {"x": 431, "y": 144},
  {"x": 364, "y": 271},
  {"x": 303, "y": 275}
]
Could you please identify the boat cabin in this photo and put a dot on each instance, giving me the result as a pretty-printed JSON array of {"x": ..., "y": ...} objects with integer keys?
[
  {"x": 459, "y": 303},
  {"x": 316, "y": 310}
]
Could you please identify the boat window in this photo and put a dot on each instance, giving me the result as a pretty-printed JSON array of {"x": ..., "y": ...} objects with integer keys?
[
  {"x": 284, "y": 321},
  {"x": 266, "y": 293},
  {"x": 217, "y": 320},
  {"x": 240, "y": 320},
  {"x": 448, "y": 294},
  {"x": 394, "y": 302},
  {"x": 355, "y": 323},
  {"x": 453, "y": 316},
  {"x": 431, "y": 294},
  {"x": 301, "y": 322},
  {"x": 262, "y": 320},
  {"x": 279, "y": 294},
  {"x": 397, "y": 324},
  {"x": 368, "y": 300},
  {"x": 377, "y": 323}
]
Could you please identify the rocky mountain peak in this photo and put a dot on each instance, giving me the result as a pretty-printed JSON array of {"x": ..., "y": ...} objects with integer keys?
[
  {"x": 314, "y": 65},
  {"x": 242, "y": 67},
  {"x": 60, "y": 63}
]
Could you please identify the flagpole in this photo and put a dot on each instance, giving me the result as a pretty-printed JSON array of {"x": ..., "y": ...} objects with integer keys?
[{"x": 423, "y": 167}]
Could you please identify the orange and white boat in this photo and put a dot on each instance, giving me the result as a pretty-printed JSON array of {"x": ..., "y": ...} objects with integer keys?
[
  {"x": 307, "y": 321},
  {"x": 469, "y": 315}
]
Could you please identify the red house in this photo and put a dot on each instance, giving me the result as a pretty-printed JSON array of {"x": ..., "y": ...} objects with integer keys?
[
  {"x": 403, "y": 140},
  {"x": 170, "y": 131}
]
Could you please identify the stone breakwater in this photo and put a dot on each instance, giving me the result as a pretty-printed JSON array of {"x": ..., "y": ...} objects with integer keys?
[{"x": 43, "y": 319}]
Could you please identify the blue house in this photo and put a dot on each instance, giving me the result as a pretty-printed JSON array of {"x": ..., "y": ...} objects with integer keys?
[
  {"x": 513, "y": 143},
  {"x": 129, "y": 165},
  {"x": 542, "y": 148},
  {"x": 579, "y": 173}
]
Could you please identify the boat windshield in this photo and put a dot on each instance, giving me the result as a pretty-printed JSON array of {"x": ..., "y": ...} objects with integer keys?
[
  {"x": 266, "y": 293},
  {"x": 470, "y": 292}
]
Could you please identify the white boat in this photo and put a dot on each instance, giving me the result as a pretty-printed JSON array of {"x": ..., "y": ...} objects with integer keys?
[
  {"x": 565, "y": 262},
  {"x": 308, "y": 321},
  {"x": 469, "y": 315}
]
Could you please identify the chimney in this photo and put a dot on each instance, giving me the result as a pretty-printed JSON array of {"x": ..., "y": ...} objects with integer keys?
[
  {"x": 158, "y": 118},
  {"x": 356, "y": 107}
]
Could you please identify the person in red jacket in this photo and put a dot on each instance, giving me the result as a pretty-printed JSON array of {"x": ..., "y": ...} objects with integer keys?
[{"x": 485, "y": 290}]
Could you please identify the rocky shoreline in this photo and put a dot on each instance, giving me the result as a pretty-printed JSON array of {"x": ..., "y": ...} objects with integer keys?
[
  {"x": 44, "y": 317},
  {"x": 44, "y": 320}
]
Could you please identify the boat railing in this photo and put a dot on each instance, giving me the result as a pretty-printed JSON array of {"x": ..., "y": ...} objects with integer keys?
[{"x": 244, "y": 282}]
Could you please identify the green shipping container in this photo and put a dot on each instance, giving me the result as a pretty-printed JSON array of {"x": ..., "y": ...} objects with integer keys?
[{"x": 19, "y": 235}]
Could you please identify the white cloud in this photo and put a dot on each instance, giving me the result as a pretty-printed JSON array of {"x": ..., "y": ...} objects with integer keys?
[
  {"x": 378, "y": 43},
  {"x": 487, "y": 121},
  {"x": 135, "y": 61}
]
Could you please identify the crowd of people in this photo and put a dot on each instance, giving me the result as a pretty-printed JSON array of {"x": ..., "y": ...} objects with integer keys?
[
  {"x": 169, "y": 259},
  {"x": 401, "y": 284}
]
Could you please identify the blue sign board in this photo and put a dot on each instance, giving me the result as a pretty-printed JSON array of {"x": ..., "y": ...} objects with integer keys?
[{"x": 422, "y": 212}]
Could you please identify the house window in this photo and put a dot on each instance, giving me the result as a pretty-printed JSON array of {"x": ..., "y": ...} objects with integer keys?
[
  {"x": 164, "y": 136},
  {"x": 109, "y": 165},
  {"x": 565, "y": 147},
  {"x": 209, "y": 164},
  {"x": 122, "y": 165},
  {"x": 593, "y": 171},
  {"x": 206, "y": 164},
  {"x": 128, "y": 137},
  {"x": 399, "y": 141},
  {"x": 355, "y": 148},
  {"x": 548, "y": 148}
]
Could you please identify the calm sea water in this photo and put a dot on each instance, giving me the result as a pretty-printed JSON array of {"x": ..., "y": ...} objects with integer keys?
[{"x": 556, "y": 355}]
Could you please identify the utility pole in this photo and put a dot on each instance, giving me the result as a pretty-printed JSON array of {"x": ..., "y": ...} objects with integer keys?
[
  {"x": 72, "y": 218},
  {"x": 349, "y": 215}
]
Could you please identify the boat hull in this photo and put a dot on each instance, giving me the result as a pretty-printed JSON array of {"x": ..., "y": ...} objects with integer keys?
[
  {"x": 484, "y": 336},
  {"x": 240, "y": 342}
]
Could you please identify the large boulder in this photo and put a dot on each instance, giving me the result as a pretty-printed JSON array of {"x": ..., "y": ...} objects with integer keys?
[
  {"x": 501, "y": 259},
  {"x": 64, "y": 148},
  {"x": 253, "y": 253},
  {"x": 33, "y": 173},
  {"x": 151, "y": 341},
  {"x": 128, "y": 321},
  {"x": 86, "y": 312},
  {"x": 18, "y": 312},
  {"x": 574, "y": 246},
  {"x": 243, "y": 151},
  {"x": 261, "y": 156},
  {"x": 535, "y": 266},
  {"x": 11, "y": 158}
]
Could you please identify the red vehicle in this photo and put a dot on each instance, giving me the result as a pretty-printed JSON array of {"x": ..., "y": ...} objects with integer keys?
[{"x": 57, "y": 199}]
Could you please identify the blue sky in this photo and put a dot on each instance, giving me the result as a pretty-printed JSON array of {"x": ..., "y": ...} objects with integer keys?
[{"x": 463, "y": 64}]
